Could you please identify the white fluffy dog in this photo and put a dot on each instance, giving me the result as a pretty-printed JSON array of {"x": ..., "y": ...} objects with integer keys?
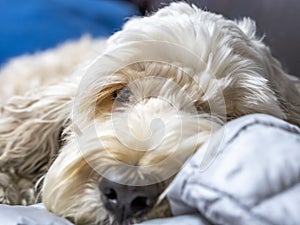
[{"x": 105, "y": 140}]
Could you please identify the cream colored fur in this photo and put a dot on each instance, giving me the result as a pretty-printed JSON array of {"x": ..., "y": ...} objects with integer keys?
[
  {"x": 188, "y": 71},
  {"x": 36, "y": 95}
]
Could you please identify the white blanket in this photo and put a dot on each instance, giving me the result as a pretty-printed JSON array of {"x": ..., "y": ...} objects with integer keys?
[{"x": 254, "y": 177}]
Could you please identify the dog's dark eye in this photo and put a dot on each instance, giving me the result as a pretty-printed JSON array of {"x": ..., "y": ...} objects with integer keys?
[{"x": 122, "y": 95}]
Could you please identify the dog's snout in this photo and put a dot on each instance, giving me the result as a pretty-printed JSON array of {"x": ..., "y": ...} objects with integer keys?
[{"x": 125, "y": 201}]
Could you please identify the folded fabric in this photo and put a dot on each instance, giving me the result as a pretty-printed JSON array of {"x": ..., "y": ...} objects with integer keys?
[
  {"x": 252, "y": 175},
  {"x": 29, "y": 215},
  {"x": 191, "y": 219}
]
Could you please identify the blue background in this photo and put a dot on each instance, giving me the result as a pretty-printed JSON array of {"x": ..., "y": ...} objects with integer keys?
[{"x": 27, "y": 26}]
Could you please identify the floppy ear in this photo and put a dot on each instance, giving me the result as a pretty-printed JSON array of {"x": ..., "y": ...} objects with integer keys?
[
  {"x": 287, "y": 88},
  {"x": 248, "y": 26},
  {"x": 284, "y": 86},
  {"x": 32, "y": 129}
]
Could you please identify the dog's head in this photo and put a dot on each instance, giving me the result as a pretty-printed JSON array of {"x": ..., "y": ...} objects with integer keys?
[{"x": 163, "y": 85}]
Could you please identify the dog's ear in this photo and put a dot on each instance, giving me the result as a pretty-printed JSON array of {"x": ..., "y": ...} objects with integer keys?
[
  {"x": 248, "y": 26},
  {"x": 280, "y": 82},
  {"x": 33, "y": 128}
]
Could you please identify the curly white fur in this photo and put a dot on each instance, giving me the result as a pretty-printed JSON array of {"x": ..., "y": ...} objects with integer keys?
[{"x": 189, "y": 71}]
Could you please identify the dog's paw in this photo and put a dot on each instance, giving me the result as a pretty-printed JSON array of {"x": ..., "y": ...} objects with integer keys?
[
  {"x": 16, "y": 191},
  {"x": 8, "y": 190}
]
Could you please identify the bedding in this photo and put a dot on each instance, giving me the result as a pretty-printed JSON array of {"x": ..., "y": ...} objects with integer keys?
[
  {"x": 253, "y": 177},
  {"x": 250, "y": 174},
  {"x": 29, "y": 215}
]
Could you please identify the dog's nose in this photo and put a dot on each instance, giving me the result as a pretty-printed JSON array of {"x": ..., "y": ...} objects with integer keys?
[{"x": 125, "y": 201}]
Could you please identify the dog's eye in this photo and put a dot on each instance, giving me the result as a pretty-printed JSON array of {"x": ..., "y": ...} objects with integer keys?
[{"x": 122, "y": 95}]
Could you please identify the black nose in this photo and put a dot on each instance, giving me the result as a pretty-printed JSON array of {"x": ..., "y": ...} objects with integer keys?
[{"x": 125, "y": 201}]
